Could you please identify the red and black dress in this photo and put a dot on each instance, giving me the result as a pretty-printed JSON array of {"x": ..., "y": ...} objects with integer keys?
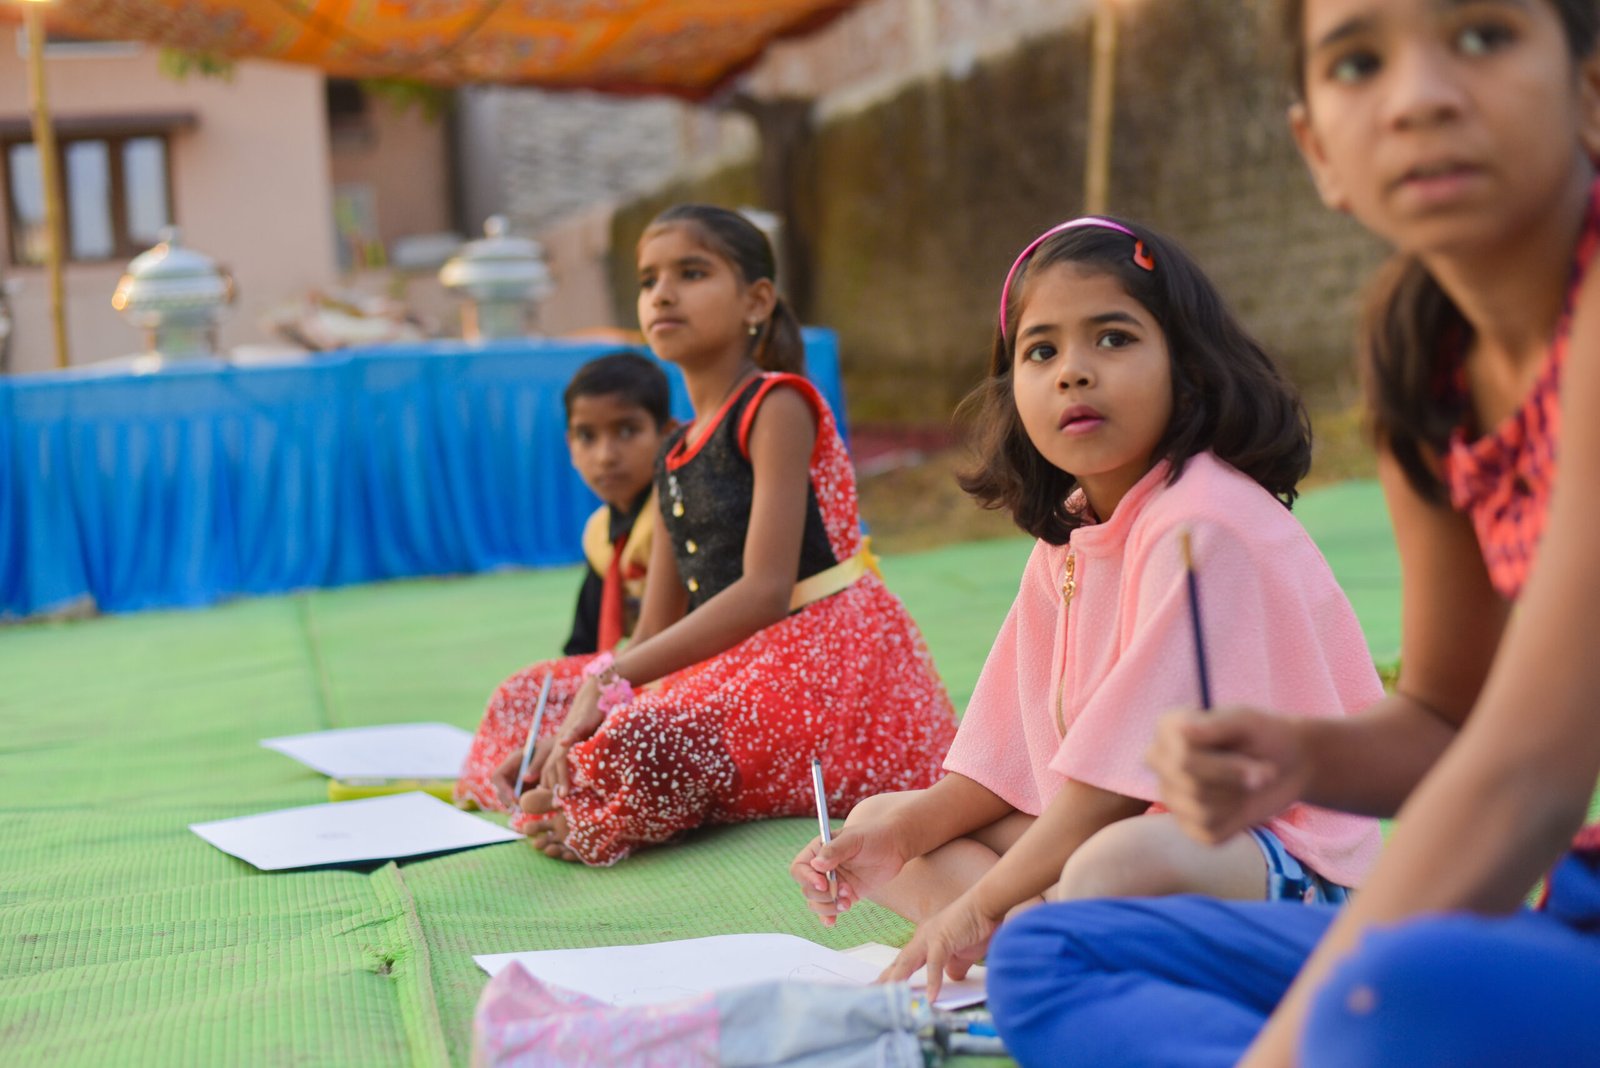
[{"x": 845, "y": 676}]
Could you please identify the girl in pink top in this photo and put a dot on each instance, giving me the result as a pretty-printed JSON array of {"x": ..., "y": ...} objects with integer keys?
[{"x": 1124, "y": 407}]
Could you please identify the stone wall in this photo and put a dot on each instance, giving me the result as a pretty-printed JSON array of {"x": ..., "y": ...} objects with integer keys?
[
  {"x": 1203, "y": 149},
  {"x": 734, "y": 186},
  {"x": 877, "y": 47},
  {"x": 914, "y": 205},
  {"x": 551, "y": 155}
]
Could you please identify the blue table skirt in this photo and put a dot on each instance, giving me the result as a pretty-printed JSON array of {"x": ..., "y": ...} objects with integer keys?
[{"x": 207, "y": 481}]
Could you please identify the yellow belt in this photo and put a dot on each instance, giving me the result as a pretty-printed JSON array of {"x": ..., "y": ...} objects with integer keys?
[{"x": 838, "y": 577}]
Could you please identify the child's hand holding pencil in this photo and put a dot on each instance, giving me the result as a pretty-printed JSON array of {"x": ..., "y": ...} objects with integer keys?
[
  {"x": 1227, "y": 769},
  {"x": 507, "y": 786},
  {"x": 860, "y": 858},
  {"x": 1224, "y": 770}
]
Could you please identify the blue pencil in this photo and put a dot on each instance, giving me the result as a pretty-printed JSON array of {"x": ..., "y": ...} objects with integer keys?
[
  {"x": 1194, "y": 616},
  {"x": 533, "y": 736}
]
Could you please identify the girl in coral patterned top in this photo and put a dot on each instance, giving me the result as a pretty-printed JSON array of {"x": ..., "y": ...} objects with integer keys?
[
  {"x": 766, "y": 637},
  {"x": 1465, "y": 135}
]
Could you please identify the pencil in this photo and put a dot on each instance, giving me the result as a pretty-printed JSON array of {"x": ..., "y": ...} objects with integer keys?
[
  {"x": 1194, "y": 617},
  {"x": 533, "y": 737},
  {"x": 822, "y": 815}
]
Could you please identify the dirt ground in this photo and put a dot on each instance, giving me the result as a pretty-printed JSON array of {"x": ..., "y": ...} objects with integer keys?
[{"x": 910, "y": 499}]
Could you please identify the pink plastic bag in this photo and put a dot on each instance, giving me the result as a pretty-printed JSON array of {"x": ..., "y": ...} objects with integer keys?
[{"x": 524, "y": 1023}]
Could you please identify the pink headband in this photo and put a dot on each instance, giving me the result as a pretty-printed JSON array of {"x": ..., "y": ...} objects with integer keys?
[{"x": 1140, "y": 257}]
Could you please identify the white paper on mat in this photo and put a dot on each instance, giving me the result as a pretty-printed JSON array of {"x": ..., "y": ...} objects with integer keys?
[
  {"x": 668, "y": 971},
  {"x": 955, "y": 994},
  {"x": 343, "y": 832},
  {"x": 396, "y": 751}
]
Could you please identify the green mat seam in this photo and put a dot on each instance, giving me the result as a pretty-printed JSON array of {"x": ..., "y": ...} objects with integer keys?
[
  {"x": 419, "y": 1009},
  {"x": 319, "y": 666}
]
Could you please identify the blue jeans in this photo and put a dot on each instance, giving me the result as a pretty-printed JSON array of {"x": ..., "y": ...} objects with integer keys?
[
  {"x": 1288, "y": 879},
  {"x": 1189, "y": 981}
]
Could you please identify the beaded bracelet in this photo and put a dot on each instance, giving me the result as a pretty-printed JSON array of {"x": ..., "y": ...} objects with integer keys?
[{"x": 615, "y": 691}]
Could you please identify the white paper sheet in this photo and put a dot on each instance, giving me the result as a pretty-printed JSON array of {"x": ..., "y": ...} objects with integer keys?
[
  {"x": 397, "y": 751},
  {"x": 377, "y": 828},
  {"x": 667, "y": 971},
  {"x": 972, "y": 990}
]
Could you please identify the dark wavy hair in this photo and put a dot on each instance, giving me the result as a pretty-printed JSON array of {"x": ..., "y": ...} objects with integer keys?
[
  {"x": 1411, "y": 331},
  {"x": 1227, "y": 395},
  {"x": 637, "y": 379},
  {"x": 777, "y": 346}
]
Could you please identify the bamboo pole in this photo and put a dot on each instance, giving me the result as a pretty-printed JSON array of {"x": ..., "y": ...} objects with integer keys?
[
  {"x": 1102, "y": 98},
  {"x": 44, "y": 141}
]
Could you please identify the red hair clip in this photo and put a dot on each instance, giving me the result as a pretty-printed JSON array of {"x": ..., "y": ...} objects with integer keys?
[{"x": 1141, "y": 257}]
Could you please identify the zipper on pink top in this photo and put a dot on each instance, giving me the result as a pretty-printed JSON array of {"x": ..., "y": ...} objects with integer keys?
[{"x": 1069, "y": 586}]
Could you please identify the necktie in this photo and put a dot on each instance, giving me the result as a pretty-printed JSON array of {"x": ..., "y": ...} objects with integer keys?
[{"x": 612, "y": 599}]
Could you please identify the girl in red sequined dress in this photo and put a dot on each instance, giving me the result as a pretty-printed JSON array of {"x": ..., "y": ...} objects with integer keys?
[{"x": 765, "y": 638}]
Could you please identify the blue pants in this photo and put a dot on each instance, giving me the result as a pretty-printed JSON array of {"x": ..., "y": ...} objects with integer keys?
[{"x": 1189, "y": 981}]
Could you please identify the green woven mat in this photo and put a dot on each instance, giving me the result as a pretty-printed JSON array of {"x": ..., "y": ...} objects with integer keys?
[
  {"x": 1351, "y": 526},
  {"x": 124, "y": 939}
]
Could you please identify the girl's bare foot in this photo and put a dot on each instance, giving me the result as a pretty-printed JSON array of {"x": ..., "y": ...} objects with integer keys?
[
  {"x": 549, "y": 835},
  {"x": 538, "y": 800}
]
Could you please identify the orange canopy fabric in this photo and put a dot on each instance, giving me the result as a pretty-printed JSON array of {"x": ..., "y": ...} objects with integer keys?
[{"x": 684, "y": 47}]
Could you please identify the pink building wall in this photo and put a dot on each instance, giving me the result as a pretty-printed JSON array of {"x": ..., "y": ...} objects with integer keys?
[
  {"x": 578, "y": 251},
  {"x": 250, "y": 187},
  {"x": 403, "y": 158}
]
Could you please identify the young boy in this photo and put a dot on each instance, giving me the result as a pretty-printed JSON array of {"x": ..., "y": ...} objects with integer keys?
[{"x": 617, "y": 416}]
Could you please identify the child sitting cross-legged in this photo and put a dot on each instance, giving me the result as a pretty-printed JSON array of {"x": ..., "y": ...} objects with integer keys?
[
  {"x": 1465, "y": 135},
  {"x": 1125, "y": 411},
  {"x": 766, "y": 638},
  {"x": 617, "y": 418}
]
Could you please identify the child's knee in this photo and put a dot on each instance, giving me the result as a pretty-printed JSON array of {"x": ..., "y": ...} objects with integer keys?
[
  {"x": 1121, "y": 860},
  {"x": 1039, "y": 986},
  {"x": 1403, "y": 991},
  {"x": 1026, "y": 959}
]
